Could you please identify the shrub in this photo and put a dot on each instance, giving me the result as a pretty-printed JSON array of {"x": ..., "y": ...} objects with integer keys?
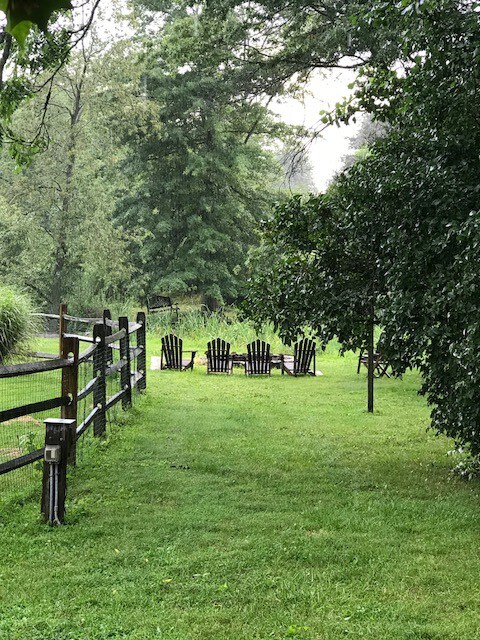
[{"x": 16, "y": 321}]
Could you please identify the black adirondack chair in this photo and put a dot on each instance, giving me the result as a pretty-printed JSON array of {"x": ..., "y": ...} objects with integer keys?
[
  {"x": 258, "y": 362},
  {"x": 219, "y": 359},
  {"x": 304, "y": 353},
  {"x": 172, "y": 354}
]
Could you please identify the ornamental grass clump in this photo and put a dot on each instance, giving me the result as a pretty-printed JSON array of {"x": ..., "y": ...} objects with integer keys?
[{"x": 16, "y": 321}]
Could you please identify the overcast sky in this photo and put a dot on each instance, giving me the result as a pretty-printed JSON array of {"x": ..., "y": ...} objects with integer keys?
[{"x": 325, "y": 89}]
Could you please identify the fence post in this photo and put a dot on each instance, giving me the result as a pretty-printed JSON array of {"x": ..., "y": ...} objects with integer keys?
[
  {"x": 54, "y": 487},
  {"x": 125, "y": 379},
  {"x": 100, "y": 389},
  {"x": 108, "y": 332},
  {"x": 142, "y": 357},
  {"x": 70, "y": 346},
  {"x": 62, "y": 325}
]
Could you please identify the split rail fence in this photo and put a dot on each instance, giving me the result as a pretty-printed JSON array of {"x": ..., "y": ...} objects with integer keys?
[{"x": 74, "y": 393}]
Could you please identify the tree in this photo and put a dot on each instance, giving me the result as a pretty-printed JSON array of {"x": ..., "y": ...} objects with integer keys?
[
  {"x": 314, "y": 272},
  {"x": 298, "y": 171},
  {"x": 424, "y": 175},
  {"x": 62, "y": 203},
  {"x": 420, "y": 183},
  {"x": 360, "y": 143},
  {"x": 35, "y": 43},
  {"x": 202, "y": 171}
]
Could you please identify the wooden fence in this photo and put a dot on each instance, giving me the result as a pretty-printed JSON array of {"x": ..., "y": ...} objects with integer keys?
[{"x": 118, "y": 368}]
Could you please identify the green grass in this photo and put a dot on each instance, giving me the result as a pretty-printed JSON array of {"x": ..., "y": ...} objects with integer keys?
[{"x": 239, "y": 508}]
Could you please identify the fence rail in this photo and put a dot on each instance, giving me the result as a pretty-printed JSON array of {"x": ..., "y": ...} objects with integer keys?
[
  {"x": 117, "y": 368},
  {"x": 27, "y": 368}
]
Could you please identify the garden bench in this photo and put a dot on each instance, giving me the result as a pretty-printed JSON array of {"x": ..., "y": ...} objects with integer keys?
[{"x": 158, "y": 303}]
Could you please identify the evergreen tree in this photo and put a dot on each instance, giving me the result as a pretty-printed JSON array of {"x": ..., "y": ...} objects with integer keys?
[{"x": 205, "y": 174}]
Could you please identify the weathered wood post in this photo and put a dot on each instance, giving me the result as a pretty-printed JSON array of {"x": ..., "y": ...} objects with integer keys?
[
  {"x": 371, "y": 368},
  {"x": 54, "y": 489},
  {"x": 142, "y": 357},
  {"x": 62, "y": 325},
  {"x": 70, "y": 348},
  {"x": 99, "y": 372},
  {"x": 125, "y": 374},
  {"x": 107, "y": 316}
]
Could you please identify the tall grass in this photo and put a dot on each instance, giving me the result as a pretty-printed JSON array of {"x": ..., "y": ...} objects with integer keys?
[
  {"x": 196, "y": 328},
  {"x": 16, "y": 321}
]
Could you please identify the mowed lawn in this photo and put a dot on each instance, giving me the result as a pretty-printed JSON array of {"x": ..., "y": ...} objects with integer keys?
[{"x": 241, "y": 508}]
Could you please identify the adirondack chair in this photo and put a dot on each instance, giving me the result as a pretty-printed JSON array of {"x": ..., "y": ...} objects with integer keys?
[
  {"x": 172, "y": 354},
  {"x": 219, "y": 359},
  {"x": 258, "y": 360},
  {"x": 304, "y": 353},
  {"x": 379, "y": 365}
]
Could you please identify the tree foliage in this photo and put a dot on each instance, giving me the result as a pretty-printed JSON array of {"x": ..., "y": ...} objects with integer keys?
[
  {"x": 203, "y": 174},
  {"x": 313, "y": 273},
  {"x": 414, "y": 200},
  {"x": 154, "y": 168},
  {"x": 31, "y": 58},
  {"x": 22, "y": 15},
  {"x": 425, "y": 180},
  {"x": 60, "y": 207}
]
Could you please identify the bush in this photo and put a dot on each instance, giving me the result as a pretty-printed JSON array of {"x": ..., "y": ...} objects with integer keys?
[{"x": 16, "y": 321}]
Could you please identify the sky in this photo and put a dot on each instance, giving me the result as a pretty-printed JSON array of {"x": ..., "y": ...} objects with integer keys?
[{"x": 324, "y": 90}]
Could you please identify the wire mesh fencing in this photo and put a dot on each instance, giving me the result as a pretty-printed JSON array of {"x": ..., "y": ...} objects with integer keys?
[
  {"x": 95, "y": 375},
  {"x": 22, "y": 432}
]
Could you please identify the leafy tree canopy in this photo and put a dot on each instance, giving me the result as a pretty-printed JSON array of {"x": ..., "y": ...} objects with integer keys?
[
  {"x": 204, "y": 176},
  {"x": 412, "y": 206}
]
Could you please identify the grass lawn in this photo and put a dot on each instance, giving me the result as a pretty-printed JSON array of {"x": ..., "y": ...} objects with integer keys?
[{"x": 239, "y": 508}]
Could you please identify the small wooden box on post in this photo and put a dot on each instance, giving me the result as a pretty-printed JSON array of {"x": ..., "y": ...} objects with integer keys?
[
  {"x": 125, "y": 373},
  {"x": 142, "y": 356},
  {"x": 54, "y": 489},
  {"x": 99, "y": 373}
]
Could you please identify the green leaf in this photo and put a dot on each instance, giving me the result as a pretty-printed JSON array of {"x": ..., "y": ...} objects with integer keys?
[
  {"x": 20, "y": 31},
  {"x": 21, "y": 14}
]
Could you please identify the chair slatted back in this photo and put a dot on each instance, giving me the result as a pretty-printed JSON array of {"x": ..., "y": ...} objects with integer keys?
[
  {"x": 304, "y": 352},
  {"x": 172, "y": 347},
  {"x": 218, "y": 356},
  {"x": 258, "y": 358}
]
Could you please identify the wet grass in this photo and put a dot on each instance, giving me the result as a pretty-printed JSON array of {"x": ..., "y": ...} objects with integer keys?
[{"x": 239, "y": 508}]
